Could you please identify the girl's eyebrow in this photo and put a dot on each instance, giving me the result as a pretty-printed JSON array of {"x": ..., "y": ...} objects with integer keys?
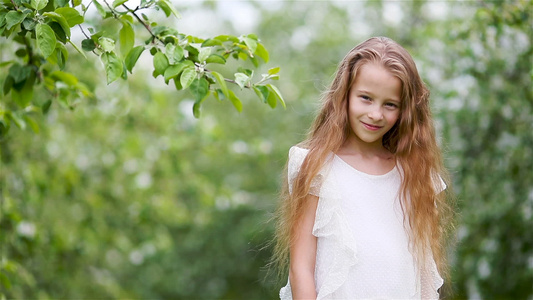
[{"x": 364, "y": 92}]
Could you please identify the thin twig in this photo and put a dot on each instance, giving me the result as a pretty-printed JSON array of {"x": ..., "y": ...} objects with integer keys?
[
  {"x": 144, "y": 24},
  {"x": 14, "y": 5},
  {"x": 83, "y": 31},
  {"x": 111, "y": 9}
]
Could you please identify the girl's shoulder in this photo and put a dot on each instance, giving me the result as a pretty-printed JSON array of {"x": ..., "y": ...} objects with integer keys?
[
  {"x": 298, "y": 150},
  {"x": 296, "y": 159},
  {"x": 297, "y": 156}
]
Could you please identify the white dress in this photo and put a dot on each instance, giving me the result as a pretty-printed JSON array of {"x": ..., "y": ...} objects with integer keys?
[{"x": 362, "y": 246}]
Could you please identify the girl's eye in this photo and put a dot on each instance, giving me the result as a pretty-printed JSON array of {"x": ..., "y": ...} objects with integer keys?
[
  {"x": 366, "y": 98},
  {"x": 391, "y": 105}
]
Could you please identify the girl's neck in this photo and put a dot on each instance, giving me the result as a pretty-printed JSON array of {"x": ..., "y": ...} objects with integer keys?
[
  {"x": 354, "y": 146},
  {"x": 370, "y": 158}
]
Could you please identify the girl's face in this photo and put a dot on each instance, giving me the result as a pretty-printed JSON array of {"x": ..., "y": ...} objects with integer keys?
[{"x": 374, "y": 103}]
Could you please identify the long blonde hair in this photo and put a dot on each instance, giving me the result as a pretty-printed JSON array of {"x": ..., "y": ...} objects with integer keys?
[{"x": 412, "y": 141}]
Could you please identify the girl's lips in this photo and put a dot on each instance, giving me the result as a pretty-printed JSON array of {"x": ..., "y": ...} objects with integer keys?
[{"x": 371, "y": 127}]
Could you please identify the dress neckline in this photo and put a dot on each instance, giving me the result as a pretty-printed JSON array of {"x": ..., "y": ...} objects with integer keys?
[{"x": 364, "y": 173}]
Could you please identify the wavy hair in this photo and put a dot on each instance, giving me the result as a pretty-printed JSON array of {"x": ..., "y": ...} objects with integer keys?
[{"x": 411, "y": 140}]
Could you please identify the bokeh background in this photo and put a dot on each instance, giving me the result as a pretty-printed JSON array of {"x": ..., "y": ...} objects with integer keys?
[{"x": 129, "y": 196}]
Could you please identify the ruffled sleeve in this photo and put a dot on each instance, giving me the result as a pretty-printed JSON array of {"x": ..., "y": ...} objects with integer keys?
[
  {"x": 438, "y": 184},
  {"x": 336, "y": 247},
  {"x": 430, "y": 281},
  {"x": 296, "y": 158}
]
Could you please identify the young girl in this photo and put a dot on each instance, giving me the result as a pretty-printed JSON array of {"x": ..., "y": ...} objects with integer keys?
[{"x": 361, "y": 213}]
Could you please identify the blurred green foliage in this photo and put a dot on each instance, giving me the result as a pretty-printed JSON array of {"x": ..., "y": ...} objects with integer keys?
[
  {"x": 38, "y": 31},
  {"x": 130, "y": 196}
]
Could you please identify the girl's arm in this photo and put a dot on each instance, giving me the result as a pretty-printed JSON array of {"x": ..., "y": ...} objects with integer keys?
[{"x": 303, "y": 253}]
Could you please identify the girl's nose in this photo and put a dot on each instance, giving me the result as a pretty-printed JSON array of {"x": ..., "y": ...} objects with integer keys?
[{"x": 376, "y": 114}]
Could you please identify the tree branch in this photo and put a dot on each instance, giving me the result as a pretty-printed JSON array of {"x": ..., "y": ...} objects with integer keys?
[
  {"x": 83, "y": 31},
  {"x": 154, "y": 37}
]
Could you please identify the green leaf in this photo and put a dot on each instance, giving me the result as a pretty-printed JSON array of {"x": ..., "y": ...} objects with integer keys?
[
  {"x": 160, "y": 63},
  {"x": 255, "y": 61},
  {"x": 187, "y": 77},
  {"x": 65, "y": 77},
  {"x": 133, "y": 56},
  {"x": 194, "y": 39},
  {"x": 18, "y": 121},
  {"x": 60, "y": 3},
  {"x": 8, "y": 84},
  {"x": 204, "y": 54},
  {"x": 60, "y": 20},
  {"x": 215, "y": 59},
  {"x": 197, "y": 104},
  {"x": 219, "y": 95},
  {"x": 19, "y": 73},
  {"x": 118, "y": 2},
  {"x": 273, "y": 89},
  {"x": 38, "y": 4},
  {"x": 113, "y": 66},
  {"x": 31, "y": 122},
  {"x": 224, "y": 38},
  {"x": 3, "y": 14},
  {"x": 4, "y": 279},
  {"x": 211, "y": 42},
  {"x": 242, "y": 79},
  {"x": 177, "y": 84},
  {"x": 46, "y": 39},
  {"x": 168, "y": 8},
  {"x": 24, "y": 96},
  {"x": 273, "y": 71},
  {"x": 174, "y": 53},
  {"x": 221, "y": 82},
  {"x": 262, "y": 92},
  {"x": 59, "y": 56},
  {"x": 124, "y": 72},
  {"x": 100, "y": 8},
  {"x": 106, "y": 44},
  {"x": 165, "y": 7},
  {"x": 29, "y": 24},
  {"x": 199, "y": 88},
  {"x": 173, "y": 71},
  {"x": 242, "y": 56},
  {"x": 59, "y": 32},
  {"x": 235, "y": 101},
  {"x": 46, "y": 106},
  {"x": 88, "y": 45},
  {"x": 250, "y": 43},
  {"x": 247, "y": 72},
  {"x": 14, "y": 18},
  {"x": 126, "y": 18},
  {"x": 262, "y": 52},
  {"x": 63, "y": 99},
  {"x": 126, "y": 38},
  {"x": 272, "y": 100},
  {"x": 71, "y": 15}
]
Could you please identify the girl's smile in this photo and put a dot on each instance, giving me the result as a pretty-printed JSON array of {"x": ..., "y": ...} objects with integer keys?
[{"x": 371, "y": 127}]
